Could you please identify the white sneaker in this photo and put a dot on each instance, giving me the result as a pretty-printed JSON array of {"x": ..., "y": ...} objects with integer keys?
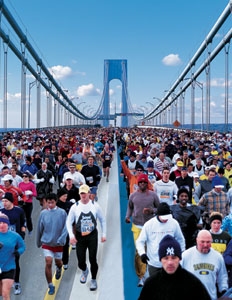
[
  {"x": 84, "y": 276},
  {"x": 65, "y": 267},
  {"x": 17, "y": 288},
  {"x": 141, "y": 282},
  {"x": 93, "y": 285}
]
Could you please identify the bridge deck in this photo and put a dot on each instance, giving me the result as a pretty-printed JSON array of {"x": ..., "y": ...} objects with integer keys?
[{"x": 116, "y": 277}]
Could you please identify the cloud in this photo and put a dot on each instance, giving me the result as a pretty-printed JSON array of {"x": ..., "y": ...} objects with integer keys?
[
  {"x": 15, "y": 96},
  {"x": 12, "y": 98},
  {"x": 60, "y": 72},
  {"x": 219, "y": 82},
  {"x": 171, "y": 60},
  {"x": 88, "y": 90}
]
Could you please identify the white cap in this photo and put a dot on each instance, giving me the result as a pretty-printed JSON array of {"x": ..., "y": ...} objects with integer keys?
[
  {"x": 195, "y": 175},
  {"x": 68, "y": 176},
  {"x": 7, "y": 177},
  {"x": 212, "y": 167}
]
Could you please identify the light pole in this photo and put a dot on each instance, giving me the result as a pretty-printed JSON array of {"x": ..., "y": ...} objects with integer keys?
[
  {"x": 31, "y": 84},
  {"x": 72, "y": 99},
  {"x": 156, "y": 98},
  {"x": 91, "y": 109},
  {"x": 152, "y": 107},
  {"x": 91, "y": 113},
  {"x": 152, "y": 104},
  {"x": 83, "y": 110},
  {"x": 77, "y": 106},
  {"x": 144, "y": 109},
  {"x": 80, "y": 104}
]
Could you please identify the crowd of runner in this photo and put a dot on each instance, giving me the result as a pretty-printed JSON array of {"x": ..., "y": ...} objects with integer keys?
[{"x": 191, "y": 172}]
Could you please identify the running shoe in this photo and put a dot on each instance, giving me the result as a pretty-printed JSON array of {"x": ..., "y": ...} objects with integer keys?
[
  {"x": 93, "y": 285},
  {"x": 51, "y": 289},
  {"x": 58, "y": 273},
  {"x": 84, "y": 276},
  {"x": 17, "y": 288}
]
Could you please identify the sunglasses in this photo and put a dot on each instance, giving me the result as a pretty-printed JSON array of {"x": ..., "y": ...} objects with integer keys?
[
  {"x": 25, "y": 176},
  {"x": 143, "y": 182}
]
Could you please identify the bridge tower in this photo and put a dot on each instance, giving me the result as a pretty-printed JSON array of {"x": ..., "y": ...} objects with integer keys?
[{"x": 115, "y": 69}]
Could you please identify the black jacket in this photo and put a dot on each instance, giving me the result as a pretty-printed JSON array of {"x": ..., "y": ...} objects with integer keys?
[{"x": 182, "y": 285}]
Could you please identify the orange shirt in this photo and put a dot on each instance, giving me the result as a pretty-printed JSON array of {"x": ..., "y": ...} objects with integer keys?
[{"x": 133, "y": 180}]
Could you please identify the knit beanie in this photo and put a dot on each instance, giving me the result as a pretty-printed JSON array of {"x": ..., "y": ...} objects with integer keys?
[
  {"x": 62, "y": 192},
  {"x": 217, "y": 182},
  {"x": 215, "y": 216},
  {"x": 163, "y": 209},
  {"x": 169, "y": 246},
  {"x": 4, "y": 218},
  {"x": 8, "y": 196},
  {"x": 150, "y": 164}
]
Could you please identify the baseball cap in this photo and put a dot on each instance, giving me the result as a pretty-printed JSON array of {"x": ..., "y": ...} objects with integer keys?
[
  {"x": 180, "y": 163},
  {"x": 143, "y": 178},
  {"x": 68, "y": 176},
  {"x": 84, "y": 188},
  {"x": 7, "y": 177},
  {"x": 195, "y": 175}
]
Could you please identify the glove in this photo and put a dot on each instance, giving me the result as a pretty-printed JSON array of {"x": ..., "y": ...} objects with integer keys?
[
  {"x": 72, "y": 201},
  {"x": 16, "y": 253},
  {"x": 51, "y": 180},
  {"x": 20, "y": 203},
  {"x": 144, "y": 258},
  {"x": 22, "y": 233},
  {"x": 42, "y": 180},
  {"x": 28, "y": 193}
]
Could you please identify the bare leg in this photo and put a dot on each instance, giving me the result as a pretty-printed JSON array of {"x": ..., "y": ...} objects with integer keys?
[
  {"x": 6, "y": 285},
  {"x": 48, "y": 268}
]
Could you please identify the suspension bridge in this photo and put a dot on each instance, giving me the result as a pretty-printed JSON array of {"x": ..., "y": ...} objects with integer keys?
[{"x": 61, "y": 110}]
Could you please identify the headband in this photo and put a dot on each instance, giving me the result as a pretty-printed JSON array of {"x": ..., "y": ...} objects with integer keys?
[{"x": 4, "y": 220}]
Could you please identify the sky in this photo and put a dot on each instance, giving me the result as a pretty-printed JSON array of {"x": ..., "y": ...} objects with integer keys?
[{"x": 157, "y": 38}]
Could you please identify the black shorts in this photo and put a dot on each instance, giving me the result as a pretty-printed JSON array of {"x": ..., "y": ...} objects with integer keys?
[
  {"x": 106, "y": 164},
  {"x": 8, "y": 274}
]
